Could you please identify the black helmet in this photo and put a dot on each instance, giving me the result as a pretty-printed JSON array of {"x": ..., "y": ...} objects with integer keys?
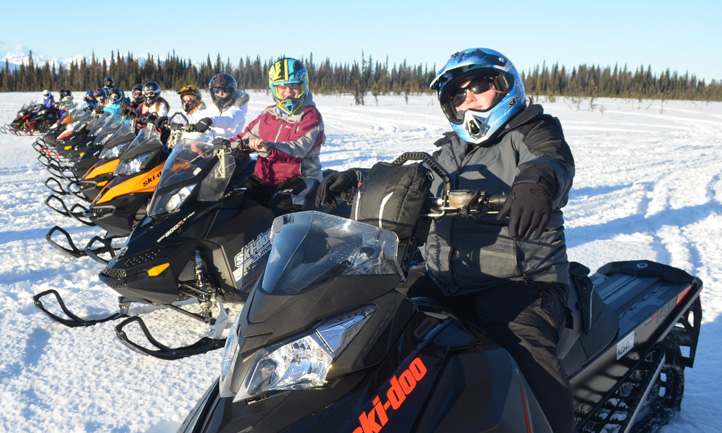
[
  {"x": 116, "y": 94},
  {"x": 108, "y": 82},
  {"x": 151, "y": 92},
  {"x": 226, "y": 83},
  {"x": 65, "y": 92},
  {"x": 137, "y": 93},
  {"x": 100, "y": 95}
]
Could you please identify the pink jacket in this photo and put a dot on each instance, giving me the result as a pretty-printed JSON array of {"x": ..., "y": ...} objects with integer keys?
[{"x": 295, "y": 144}]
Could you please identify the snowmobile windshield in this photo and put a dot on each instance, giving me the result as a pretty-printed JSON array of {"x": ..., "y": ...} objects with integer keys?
[
  {"x": 310, "y": 248},
  {"x": 118, "y": 141},
  {"x": 194, "y": 170},
  {"x": 106, "y": 129},
  {"x": 146, "y": 137},
  {"x": 105, "y": 124}
]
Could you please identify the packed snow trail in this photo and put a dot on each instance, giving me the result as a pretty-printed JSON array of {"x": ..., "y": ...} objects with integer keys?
[{"x": 648, "y": 186}]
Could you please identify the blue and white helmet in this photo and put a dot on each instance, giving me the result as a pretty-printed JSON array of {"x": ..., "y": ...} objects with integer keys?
[{"x": 476, "y": 126}]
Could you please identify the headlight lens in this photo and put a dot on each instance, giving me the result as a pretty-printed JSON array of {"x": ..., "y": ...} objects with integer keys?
[
  {"x": 305, "y": 361},
  {"x": 131, "y": 166},
  {"x": 178, "y": 198},
  {"x": 113, "y": 152},
  {"x": 230, "y": 351}
]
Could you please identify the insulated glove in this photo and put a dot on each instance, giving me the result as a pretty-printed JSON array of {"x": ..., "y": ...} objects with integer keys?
[
  {"x": 334, "y": 184},
  {"x": 529, "y": 207},
  {"x": 220, "y": 141},
  {"x": 159, "y": 122},
  {"x": 99, "y": 109},
  {"x": 203, "y": 124}
]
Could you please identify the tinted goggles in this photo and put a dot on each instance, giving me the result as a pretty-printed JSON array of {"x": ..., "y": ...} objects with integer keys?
[{"x": 476, "y": 86}]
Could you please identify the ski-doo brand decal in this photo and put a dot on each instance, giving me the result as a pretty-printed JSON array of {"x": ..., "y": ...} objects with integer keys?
[
  {"x": 625, "y": 345},
  {"x": 250, "y": 253},
  {"x": 149, "y": 180},
  {"x": 175, "y": 227},
  {"x": 400, "y": 387}
]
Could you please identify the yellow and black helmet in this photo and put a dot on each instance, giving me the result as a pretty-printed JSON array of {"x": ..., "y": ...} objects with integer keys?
[{"x": 284, "y": 72}]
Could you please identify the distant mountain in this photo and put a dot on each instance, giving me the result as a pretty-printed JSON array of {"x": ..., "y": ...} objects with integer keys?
[{"x": 19, "y": 54}]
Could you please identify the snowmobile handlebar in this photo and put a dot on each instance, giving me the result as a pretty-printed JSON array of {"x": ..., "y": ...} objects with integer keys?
[{"x": 464, "y": 203}]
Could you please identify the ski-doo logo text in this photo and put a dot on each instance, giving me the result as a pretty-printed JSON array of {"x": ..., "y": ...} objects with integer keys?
[
  {"x": 250, "y": 253},
  {"x": 149, "y": 180},
  {"x": 373, "y": 420}
]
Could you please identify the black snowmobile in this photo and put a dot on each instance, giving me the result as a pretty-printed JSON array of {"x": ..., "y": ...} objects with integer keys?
[
  {"x": 32, "y": 118},
  {"x": 121, "y": 203},
  {"x": 200, "y": 240},
  {"x": 93, "y": 168},
  {"x": 329, "y": 341}
]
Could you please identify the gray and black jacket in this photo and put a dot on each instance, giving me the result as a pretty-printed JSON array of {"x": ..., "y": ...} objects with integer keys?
[{"x": 465, "y": 255}]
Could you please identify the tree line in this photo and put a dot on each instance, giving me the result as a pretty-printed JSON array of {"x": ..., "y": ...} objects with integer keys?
[{"x": 358, "y": 78}]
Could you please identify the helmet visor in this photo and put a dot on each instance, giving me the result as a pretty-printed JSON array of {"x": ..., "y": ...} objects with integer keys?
[{"x": 288, "y": 89}]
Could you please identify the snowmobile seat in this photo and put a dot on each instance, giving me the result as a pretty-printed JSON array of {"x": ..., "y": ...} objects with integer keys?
[{"x": 591, "y": 324}]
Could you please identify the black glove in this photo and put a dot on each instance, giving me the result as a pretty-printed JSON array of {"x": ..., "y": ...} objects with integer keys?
[
  {"x": 203, "y": 124},
  {"x": 160, "y": 122},
  {"x": 122, "y": 107},
  {"x": 220, "y": 141},
  {"x": 334, "y": 184},
  {"x": 150, "y": 117},
  {"x": 529, "y": 207},
  {"x": 99, "y": 109}
]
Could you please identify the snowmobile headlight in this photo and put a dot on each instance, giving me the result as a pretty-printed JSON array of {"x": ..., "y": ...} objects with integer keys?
[
  {"x": 132, "y": 165},
  {"x": 178, "y": 198},
  {"x": 113, "y": 152},
  {"x": 303, "y": 362},
  {"x": 230, "y": 352}
]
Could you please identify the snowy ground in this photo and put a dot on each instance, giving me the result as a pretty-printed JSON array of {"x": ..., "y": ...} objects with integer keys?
[{"x": 648, "y": 186}]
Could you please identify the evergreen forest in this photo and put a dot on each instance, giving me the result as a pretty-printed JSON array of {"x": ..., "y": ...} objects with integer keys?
[{"x": 359, "y": 78}]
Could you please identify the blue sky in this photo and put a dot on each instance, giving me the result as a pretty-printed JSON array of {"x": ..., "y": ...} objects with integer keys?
[{"x": 682, "y": 36}]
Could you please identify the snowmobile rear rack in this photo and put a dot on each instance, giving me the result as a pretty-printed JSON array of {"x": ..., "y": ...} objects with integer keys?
[{"x": 72, "y": 321}]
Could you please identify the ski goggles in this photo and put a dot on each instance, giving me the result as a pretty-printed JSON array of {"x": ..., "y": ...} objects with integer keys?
[
  {"x": 292, "y": 86},
  {"x": 137, "y": 93},
  {"x": 217, "y": 90},
  {"x": 476, "y": 86}
]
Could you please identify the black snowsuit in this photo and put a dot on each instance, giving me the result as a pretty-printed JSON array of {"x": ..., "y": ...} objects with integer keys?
[{"x": 514, "y": 290}]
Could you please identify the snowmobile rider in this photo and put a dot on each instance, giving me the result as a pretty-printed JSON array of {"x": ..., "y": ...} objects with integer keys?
[
  {"x": 192, "y": 102},
  {"x": 515, "y": 288},
  {"x": 117, "y": 102},
  {"x": 48, "y": 99},
  {"x": 136, "y": 101},
  {"x": 89, "y": 100},
  {"x": 66, "y": 102},
  {"x": 108, "y": 84},
  {"x": 288, "y": 138},
  {"x": 154, "y": 106},
  {"x": 193, "y": 105},
  {"x": 226, "y": 116}
]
